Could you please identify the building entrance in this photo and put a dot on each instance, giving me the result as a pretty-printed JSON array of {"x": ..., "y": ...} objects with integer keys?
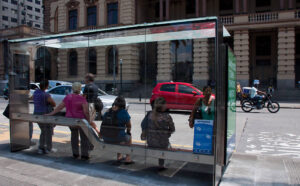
[{"x": 263, "y": 61}]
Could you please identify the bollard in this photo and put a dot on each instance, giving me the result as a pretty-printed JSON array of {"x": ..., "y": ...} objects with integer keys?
[{"x": 140, "y": 97}]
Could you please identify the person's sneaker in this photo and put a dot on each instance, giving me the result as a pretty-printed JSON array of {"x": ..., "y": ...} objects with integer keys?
[
  {"x": 75, "y": 156},
  {"x": 85, "y": 158},
  {"x": 40, "y": 151},
  {"x": 50, "y": 151}
]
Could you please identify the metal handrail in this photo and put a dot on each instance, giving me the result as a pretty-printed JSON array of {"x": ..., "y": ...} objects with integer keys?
[{"x": 133, "y": 149}]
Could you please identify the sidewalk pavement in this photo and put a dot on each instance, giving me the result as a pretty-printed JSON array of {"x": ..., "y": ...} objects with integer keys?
[{"x": 283, "y": 104}]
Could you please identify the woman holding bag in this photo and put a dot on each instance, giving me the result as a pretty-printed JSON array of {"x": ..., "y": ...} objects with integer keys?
[
  {"x": 203, "y": 108},
  {"x": 76, "y": 107}
]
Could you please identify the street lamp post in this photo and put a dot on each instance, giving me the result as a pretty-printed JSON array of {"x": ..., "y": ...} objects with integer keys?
[{"x": 121, "y": 78}]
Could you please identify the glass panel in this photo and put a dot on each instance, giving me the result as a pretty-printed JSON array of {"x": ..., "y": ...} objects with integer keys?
[
  {"x": 112, "y": 13},
  {"x": 165, "y": 71}
]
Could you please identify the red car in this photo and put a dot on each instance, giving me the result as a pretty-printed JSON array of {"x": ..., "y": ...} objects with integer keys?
[{"x": 181, "y": 96}]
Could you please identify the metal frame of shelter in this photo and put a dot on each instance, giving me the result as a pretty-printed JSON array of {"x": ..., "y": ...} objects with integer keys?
[{"x": 142, "y": 33}]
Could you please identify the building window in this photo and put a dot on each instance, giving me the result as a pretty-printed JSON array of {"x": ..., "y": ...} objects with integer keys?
[
  {"x": 37, "y": 25},
  {"x": 29, "y": 15},
  {"x": 37, "y": 17},
  {"x": 182, "y": 60},
  {"x": 14, "y": 2},
  {"x": 37, "y": 2},
  {"x": 29, "y": 8},
  {"x": 190, "y": 7},
  {"x": 112, "y": 13},
  {"x": 92, "y": 16},
  {"x": 264, "y": 3},
  {"x": 92, "y": 61},
  {"x": 4, "y": 18},
  {"x": 14, "y": 20},
  {"x": 13, "y": 11},
  {"x": 5, "y": 1},
  {"x": 72, "y": 19},
  {"x": 37, "y": 10},
  {"x": 4, "y": 8},
  {"x": 112, "y": 60},
  {"x": 73, "y": 63},
  {"x": 29, "y": 0},
  {"x": 23, "y": 22},
  {"x": 29, "y": 23}
]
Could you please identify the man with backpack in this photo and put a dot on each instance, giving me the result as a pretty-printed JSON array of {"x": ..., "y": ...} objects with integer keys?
[{"x": 91, "y": 94}]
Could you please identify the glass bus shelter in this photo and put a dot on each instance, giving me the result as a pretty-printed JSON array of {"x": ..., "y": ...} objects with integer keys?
[{"x": 187, "y": 55}]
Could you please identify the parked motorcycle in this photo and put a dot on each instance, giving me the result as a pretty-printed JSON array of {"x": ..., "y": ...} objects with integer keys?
[{"x": 250, "y": 104}]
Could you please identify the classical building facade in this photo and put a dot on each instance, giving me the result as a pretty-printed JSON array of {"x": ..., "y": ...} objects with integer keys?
[{"x": 265, "y": 39}]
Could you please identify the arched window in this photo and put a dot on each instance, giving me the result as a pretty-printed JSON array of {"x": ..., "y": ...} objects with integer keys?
[
  {"x": 92, "y": 61},
  {"x": 73, "y": 63},
  {"x": 42, "y": 64},
  {"x": 112, "y": 60}
]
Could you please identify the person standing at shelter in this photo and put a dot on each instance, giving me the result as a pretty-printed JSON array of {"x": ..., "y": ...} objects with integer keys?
[
  {"x": 157, "y": 128},
  {"x": 43, "y": 104},
  {"x": 203, "y": 108},
  {"x": 76, "y": 107},
  {"x": 90, "y": 92}
]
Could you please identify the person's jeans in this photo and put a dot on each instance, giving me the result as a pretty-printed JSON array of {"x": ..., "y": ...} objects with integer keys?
[
  {"x": 45, "y": 136},
  {"x": 85, "y": 144}
]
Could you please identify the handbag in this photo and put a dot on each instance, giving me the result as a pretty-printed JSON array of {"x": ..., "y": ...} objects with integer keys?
[{"x": 6, "y": 111}]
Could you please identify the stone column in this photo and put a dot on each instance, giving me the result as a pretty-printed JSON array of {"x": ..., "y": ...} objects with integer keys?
[
  {"x": 282, "y": 4},
  {"x": 81, "y": 63},
  {"x": 62, "y": 64},
  {"x": 237, "y": 6},
  {"x": 101, "y": 14},
  {"x": 286, "y": 58},
  {"x": 62, "y": 16},
  {"x": 161, "y": 10},
  {"x": 245, "y": 6},
  {"x": 167, "y": 9},
  {"x": 197, "y": 8},
  {"x": 291, "y": 4},
  {"x": 127, "y": 12},
  {"x": 204, "y": 4},
  {"x": 164, "y": 66},
  {"x": 101, "y": 63},
  {"x": 201, "y": 59},
  {"x": 241, "y": 51}
]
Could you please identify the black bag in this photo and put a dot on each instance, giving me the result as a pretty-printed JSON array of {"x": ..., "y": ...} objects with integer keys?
[
  {"x": 6, "y": 111},
  {"x": 110, "y": 126},
  {"x": 98, "y": 105}
]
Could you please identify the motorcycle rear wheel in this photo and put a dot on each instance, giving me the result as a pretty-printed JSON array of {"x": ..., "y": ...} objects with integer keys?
[
  {"x": 247, "y": 106},
  {"x": 273, "y": 107}
]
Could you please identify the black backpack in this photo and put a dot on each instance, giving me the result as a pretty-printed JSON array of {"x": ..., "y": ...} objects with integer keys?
[
  {"x": 110, "y": 126},
  {"x": 98, "y": 105}
]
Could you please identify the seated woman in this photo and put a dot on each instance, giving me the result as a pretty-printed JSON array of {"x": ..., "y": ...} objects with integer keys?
[
  {"x": 76, "y": 107},
  {"x": 157, "y": 128},
  {"x": 116, "y": 127},
  {"x": 203, "y": 108}
]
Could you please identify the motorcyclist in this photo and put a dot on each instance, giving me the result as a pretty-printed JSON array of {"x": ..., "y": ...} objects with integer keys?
[{"x": 256, "y": 95}]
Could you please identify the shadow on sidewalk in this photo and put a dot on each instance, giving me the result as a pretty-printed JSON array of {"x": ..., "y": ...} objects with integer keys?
[{"x": 103, "y": 165}]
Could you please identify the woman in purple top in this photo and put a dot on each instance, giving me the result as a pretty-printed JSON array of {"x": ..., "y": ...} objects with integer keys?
[{"x": 42, "y": 105}]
